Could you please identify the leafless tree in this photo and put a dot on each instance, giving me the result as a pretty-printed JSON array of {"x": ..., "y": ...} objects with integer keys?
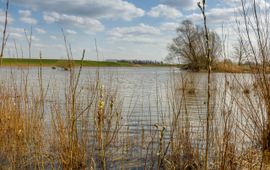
[
  {"x": 190, "y": 47},
  {"x": 240, "y": 52}
]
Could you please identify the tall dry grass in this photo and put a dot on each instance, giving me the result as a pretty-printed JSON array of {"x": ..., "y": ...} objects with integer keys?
[
  {"x": 22, "y": 134},
  {"x": 86, "y": 127}
]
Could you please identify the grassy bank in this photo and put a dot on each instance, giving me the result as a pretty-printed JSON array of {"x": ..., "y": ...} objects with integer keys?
[
  {"x": 26, "y": 62},
  {"x": 222, "y": 67},
  {"x": 65, "y": 63}
]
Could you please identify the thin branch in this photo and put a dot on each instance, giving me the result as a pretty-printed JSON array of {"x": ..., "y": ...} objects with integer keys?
[{"x": 5, "y": 37}]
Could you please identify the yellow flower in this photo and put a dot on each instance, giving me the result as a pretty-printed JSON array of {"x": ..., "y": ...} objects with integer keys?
[{"x": 101, "y": 104}]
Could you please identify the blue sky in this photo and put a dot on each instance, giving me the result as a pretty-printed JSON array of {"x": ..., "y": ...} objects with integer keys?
[{"x": 124, "y": 29}]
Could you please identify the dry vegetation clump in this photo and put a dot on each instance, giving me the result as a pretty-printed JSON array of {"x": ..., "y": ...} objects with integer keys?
[
  {"x": 21, "y": 133},
  {"x": 231, "y": 68},
  {"x": 179, "y": 149},
  {"x": 13, "y": 147},
  {"x": 65, "y": 64},
  {"x": 85, "y": 129},
  {"x": 68, "y": 149},
  {"x": 80, "y": 130},
  {"x": 183, "y": 154},
  {"x": 188, "y": 85}
]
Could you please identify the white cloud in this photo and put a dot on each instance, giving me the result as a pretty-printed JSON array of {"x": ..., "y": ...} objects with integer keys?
[
  {"x": 14, "y": 35},
  {"x": 14, "y": 32},
  {"x": 164, "y": 11},
  {"x": 35, "y": 39},
  {"x": 134, "y": 39},
  {"x": 169, "y": 26},
  {"x": 3, "y": 17},
  {"x": 260, "y": 3},
  {"x": 72, "y": 20},
  {"x": 216, "y": 16},
  {"x": 26, "y": 17},
  {"x": 181, "y": 4},
  {"x": 53, "y": 37},
  {"x": 69, "y": 31},
  {"x": 86, "y": 8},
  {"x": 28, "y": 20},
  {"x": 25, "y": 13},
  {"x": 40, "y": 30},
  {"x": 140, "y": 29},
  {"x": 140, "y": 33},
  {"x": 221, "y": 15}
]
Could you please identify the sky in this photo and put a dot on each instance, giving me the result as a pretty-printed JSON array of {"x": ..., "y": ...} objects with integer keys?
[{"x": 123, "y": 29}]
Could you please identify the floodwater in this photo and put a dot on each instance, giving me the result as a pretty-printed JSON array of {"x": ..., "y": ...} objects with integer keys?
[
  {"x": 145, "y": 92},
  {"x": 150, "y": 96}
]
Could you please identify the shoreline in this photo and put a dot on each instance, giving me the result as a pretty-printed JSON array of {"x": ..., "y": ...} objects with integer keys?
[{"x": 66, "y": 64}]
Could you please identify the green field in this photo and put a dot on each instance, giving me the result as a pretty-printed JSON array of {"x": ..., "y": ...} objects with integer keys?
[{"x": 74, "y": 63}]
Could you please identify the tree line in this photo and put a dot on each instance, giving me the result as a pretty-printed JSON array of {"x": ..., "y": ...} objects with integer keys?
[{"x": 141, "y": 62}]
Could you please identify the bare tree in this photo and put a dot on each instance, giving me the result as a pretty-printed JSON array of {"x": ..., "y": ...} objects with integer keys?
[
  {"x": 5, "y": 36},
  {"x": 190, "y": 47},
  {"x": 240, "y": 51}
]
